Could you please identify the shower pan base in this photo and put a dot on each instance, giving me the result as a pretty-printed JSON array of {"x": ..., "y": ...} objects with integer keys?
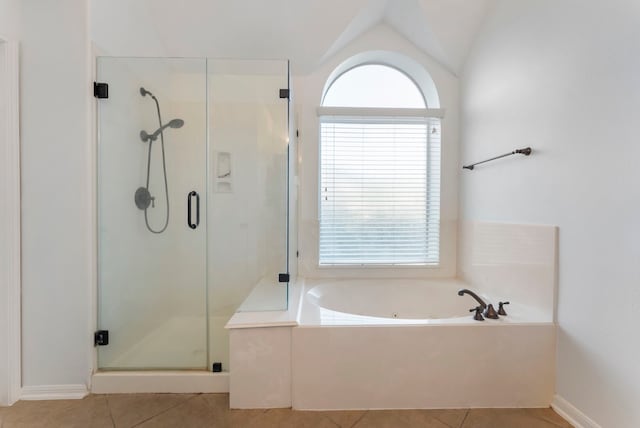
[{"x": 127, "y": 382}]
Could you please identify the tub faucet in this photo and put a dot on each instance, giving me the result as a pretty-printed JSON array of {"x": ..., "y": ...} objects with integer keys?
[{"x": 474, "y": 295}]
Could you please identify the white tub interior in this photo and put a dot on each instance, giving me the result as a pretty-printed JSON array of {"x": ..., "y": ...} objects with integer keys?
[
  {"x": 405, "y": 299},
  {"x": 399, "y": 302}
]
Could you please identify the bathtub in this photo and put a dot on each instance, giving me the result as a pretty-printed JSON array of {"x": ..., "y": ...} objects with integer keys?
[{"x": 413, "y": 344}]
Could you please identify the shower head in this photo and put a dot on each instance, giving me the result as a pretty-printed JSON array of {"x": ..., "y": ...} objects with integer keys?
[
  {"x": 176, "y": 123},
  {"x": 144, "y": 92}
]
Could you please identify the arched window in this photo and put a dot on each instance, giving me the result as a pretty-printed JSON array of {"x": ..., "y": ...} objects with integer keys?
[
  {"x": 379, "y": 171},
  {"x": 374, "y": 85}
]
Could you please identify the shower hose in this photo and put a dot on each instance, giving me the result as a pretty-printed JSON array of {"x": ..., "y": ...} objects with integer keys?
[{"x": 164, "y": 173}]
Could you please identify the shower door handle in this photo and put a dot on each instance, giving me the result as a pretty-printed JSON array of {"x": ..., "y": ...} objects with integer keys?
[{"x": 189, "y": 203}]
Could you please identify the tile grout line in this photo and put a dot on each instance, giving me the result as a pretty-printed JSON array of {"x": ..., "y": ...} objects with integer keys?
[
  {"x": 113, "y": 422},
  {"x": 164, "y": 411},
  {"x": 360, "y": 418},
  {"x": 326, "y": 417},
  {"x": 230, "y": 409},
  {"x": 443, "y": 422},
  {"x": 549, "y": 421},
  {"x": 465, "y": 418},
  {"x": 210, "y": 406}
]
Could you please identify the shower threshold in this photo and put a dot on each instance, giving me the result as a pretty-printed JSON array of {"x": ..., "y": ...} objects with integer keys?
[{"x": 174, "y": 381}]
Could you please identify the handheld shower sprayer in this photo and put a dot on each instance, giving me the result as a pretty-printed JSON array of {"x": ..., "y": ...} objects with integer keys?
[
  {"x": 143, "y": 197},
  {"x": 175, "y": 123}
]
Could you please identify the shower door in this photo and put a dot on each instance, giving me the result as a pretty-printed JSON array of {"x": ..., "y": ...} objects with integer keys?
[{"x": 152, "y": 172}]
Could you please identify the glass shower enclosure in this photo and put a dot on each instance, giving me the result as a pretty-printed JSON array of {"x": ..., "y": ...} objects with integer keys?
[{"x": 192, "y": 205}]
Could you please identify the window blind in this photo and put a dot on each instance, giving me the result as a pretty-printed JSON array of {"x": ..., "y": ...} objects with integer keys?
[{"x": 379, "y": 191}]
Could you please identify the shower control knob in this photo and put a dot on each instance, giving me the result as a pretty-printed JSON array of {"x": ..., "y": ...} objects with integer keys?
[
  {"x": 501, "y": 310},
  {"x": 143, "y": 198}
]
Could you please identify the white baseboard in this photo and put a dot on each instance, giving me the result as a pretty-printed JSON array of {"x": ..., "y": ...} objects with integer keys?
[
  {"x": 573, "y": 415},
  {"x": 128, "y": 382},
  {"x": 54, "y": 392}
]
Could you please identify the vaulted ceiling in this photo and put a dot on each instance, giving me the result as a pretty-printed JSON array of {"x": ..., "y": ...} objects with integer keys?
[{"x": 305, "y": 31}]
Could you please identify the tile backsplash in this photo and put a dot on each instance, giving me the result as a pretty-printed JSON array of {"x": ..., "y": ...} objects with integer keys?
[{"x": 511, "y": 262}]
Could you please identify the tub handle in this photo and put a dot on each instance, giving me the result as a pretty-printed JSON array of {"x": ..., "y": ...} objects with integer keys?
[
  {"x": 478, "y": 315},
  {"x": 501, "y": 310}
]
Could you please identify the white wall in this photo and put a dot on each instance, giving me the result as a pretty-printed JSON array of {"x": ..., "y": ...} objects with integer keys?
[
  {"x": 56, "y": 210},
  {"x": 562, "y": 77},
  {"x": 4, "y": 256},
  {"x": 243, "y": 29},
  {"x": 9, "y": 23},
  {"x": 10, "y": 19},
  {"x": 309, "y": 90}
]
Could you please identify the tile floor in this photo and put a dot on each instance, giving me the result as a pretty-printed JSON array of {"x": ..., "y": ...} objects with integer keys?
[{"x": 212, "y": 410}]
